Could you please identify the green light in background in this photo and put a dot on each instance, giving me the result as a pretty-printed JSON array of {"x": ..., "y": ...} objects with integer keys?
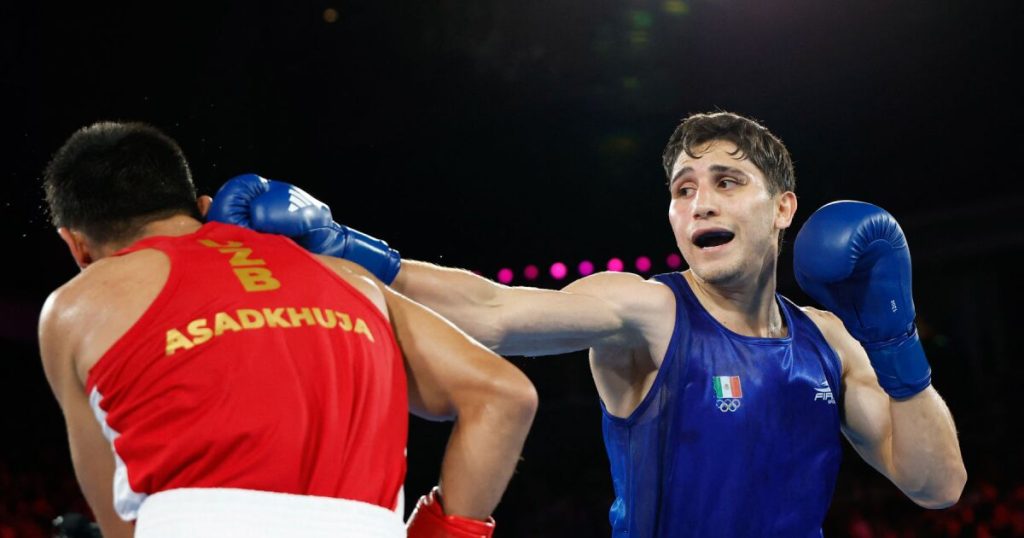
[{"x": 641, "y": 18}]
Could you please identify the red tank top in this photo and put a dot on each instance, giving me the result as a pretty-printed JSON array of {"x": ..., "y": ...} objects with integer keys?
[{"x": 256, "y": 367}]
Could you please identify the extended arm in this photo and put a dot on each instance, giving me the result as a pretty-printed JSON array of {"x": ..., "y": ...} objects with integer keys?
[
  {"x": 600, "y": 310},
  {"x": 604, "y": 309}
]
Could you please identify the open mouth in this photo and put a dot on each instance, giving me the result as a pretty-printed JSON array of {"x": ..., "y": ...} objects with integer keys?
[{"x": 712, "y": 238}]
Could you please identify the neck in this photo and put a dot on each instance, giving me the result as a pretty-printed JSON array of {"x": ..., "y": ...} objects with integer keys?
[
  {"x": 170, "y": 227},
  {"x": 745, "y": 305}
]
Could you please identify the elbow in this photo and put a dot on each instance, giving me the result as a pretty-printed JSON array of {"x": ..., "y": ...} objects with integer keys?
[
  {"x": 521, "y": 398},
  {"x": 945, "y": 494},
  {"x": 512, "y": 399}
]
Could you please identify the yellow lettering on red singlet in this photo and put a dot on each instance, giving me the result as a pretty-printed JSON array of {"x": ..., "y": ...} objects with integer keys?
[
  {"x": 202, "y": 330},
  {"x": 344, "y": 321},
  {"x": 250, "y": 319},
  {"x": 251, "y": 277},
  {"x": 199, "y": 331},
  {"x": 257, "y": 279},
  {"x": 361, "y": 328},
  {"x": 297, "y": 317},
  {"x": 274, "y": 318},
  {"x": 328, "y": 323},
  {"x": 213, "y": 244},
  {"x": 176, "y": 341},
  {"x": 224, "y": 322},
  {"x": 240, "y": 257}
]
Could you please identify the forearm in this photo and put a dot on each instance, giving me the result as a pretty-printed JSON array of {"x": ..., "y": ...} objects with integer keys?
[
  {"x": 482, "y": 453},
  {"x": 927, "y": 464},
  {"x": 466, "y": 299}
]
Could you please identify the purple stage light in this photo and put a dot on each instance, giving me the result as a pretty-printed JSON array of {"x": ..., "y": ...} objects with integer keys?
[
  {"x": 531, "y": 272},
  {"x": 558, "y": 270},
  {"x": 615, "y": 264},
  {"x": 643, "y": 264},
  {"x": 586, "y": 267},
  {"x": 673, "y": 261},
  {"x": 505, "y": 275}
]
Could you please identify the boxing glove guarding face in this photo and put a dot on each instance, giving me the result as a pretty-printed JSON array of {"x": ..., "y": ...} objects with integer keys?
[{"x": 853, "y": 258}]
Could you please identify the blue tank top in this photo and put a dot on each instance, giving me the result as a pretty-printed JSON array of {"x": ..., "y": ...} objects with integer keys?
[{"x": 738, "y": 436}]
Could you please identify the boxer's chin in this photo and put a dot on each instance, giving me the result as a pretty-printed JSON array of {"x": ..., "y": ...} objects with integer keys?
[{"x": 718, "y": 272}]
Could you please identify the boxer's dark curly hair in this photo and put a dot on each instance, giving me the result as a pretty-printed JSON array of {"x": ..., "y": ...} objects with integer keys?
[
  {"x": 753, "y": 141},
  {"x": 111, "y": 178}
]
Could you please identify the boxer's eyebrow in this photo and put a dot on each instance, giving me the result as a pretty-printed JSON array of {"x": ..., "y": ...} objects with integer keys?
[
  {"x": 719, "y": 169},
  {"x": 715, "y": 168},
  {"x": 683, "y": 170}
]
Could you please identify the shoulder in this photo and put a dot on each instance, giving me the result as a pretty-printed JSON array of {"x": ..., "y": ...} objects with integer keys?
[
  {"x": 82, "y": 317},
  {"x": 626, "y": 289},
  {"x": 359, "y": 278},
  {"x": 836, "y": 335},
  {"x": 643, "y": 304}
]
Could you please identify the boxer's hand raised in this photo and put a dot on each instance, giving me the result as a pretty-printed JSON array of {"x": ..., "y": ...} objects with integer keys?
[{"x": 852, "y": 258}]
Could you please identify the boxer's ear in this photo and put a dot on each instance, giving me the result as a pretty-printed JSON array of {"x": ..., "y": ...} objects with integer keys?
[
  {"x": 785, "y": 208},
  {"x": 203, "y": 202},
  {"x": 78, "y": 245}
]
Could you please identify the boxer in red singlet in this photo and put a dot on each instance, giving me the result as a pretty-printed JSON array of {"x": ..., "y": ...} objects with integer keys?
[{"x": 217, "y": 381}]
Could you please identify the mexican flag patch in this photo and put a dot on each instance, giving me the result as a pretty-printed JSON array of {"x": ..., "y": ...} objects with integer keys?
[{"x": 727, "y": 386}]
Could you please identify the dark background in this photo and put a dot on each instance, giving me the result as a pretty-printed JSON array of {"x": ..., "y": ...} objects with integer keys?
[{"x": 492, "y": 133}]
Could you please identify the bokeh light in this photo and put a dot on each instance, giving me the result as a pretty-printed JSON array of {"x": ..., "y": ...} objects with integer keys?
[{"x": 559, "y": 270}]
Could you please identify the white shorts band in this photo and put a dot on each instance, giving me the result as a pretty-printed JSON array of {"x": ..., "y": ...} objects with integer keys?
[{"x": 222, "y": 512}]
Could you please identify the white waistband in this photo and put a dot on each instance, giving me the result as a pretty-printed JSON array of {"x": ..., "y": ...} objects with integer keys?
[{"x": 210, "y": 512}]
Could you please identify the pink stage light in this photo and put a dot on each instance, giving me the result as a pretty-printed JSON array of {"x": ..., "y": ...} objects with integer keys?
[
  {"x": 643, "y": 264},
  {"x": 531, "y": 272},
  {"x": 505, "y": 275},
  {"x": 586, "y": 267},
  {"x": 615, "y": 264},
  {"x": 673, "y": 261},
  {"x": 559, "y": 270}
]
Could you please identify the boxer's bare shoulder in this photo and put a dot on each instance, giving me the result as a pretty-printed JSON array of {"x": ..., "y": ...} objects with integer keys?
[
  {"x": 850, "y": 353},
  {"x": 96, "y": 307},
  {"x": 645, "y": 306},
  {"x": 359, "y": 278}
]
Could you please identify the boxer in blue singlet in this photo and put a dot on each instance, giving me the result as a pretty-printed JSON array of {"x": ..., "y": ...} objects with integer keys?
[{"x": 723, "y": 402}]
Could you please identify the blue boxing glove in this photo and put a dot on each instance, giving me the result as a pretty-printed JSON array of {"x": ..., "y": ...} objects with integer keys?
[
  {"x": 277, "y": 207},
  {"x": 852, "y": 258}
]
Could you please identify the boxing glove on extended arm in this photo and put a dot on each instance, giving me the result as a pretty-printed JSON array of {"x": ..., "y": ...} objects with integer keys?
[
  {"x": 277, "y": 207},
  {"x": 852, "y": 257},
  {"x": 428, "y": 520}
]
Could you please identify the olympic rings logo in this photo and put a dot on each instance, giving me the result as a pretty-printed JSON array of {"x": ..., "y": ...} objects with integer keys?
[{"x": 727, "y": 405}]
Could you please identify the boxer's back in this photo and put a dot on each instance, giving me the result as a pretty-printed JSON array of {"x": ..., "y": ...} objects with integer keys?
[{"x": 255, "y": 367}]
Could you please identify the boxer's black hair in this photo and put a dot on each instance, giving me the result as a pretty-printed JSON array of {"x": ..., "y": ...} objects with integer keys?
[
  {"x": 109, "y": 179},
  {"x": 752, "y": 140}
]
